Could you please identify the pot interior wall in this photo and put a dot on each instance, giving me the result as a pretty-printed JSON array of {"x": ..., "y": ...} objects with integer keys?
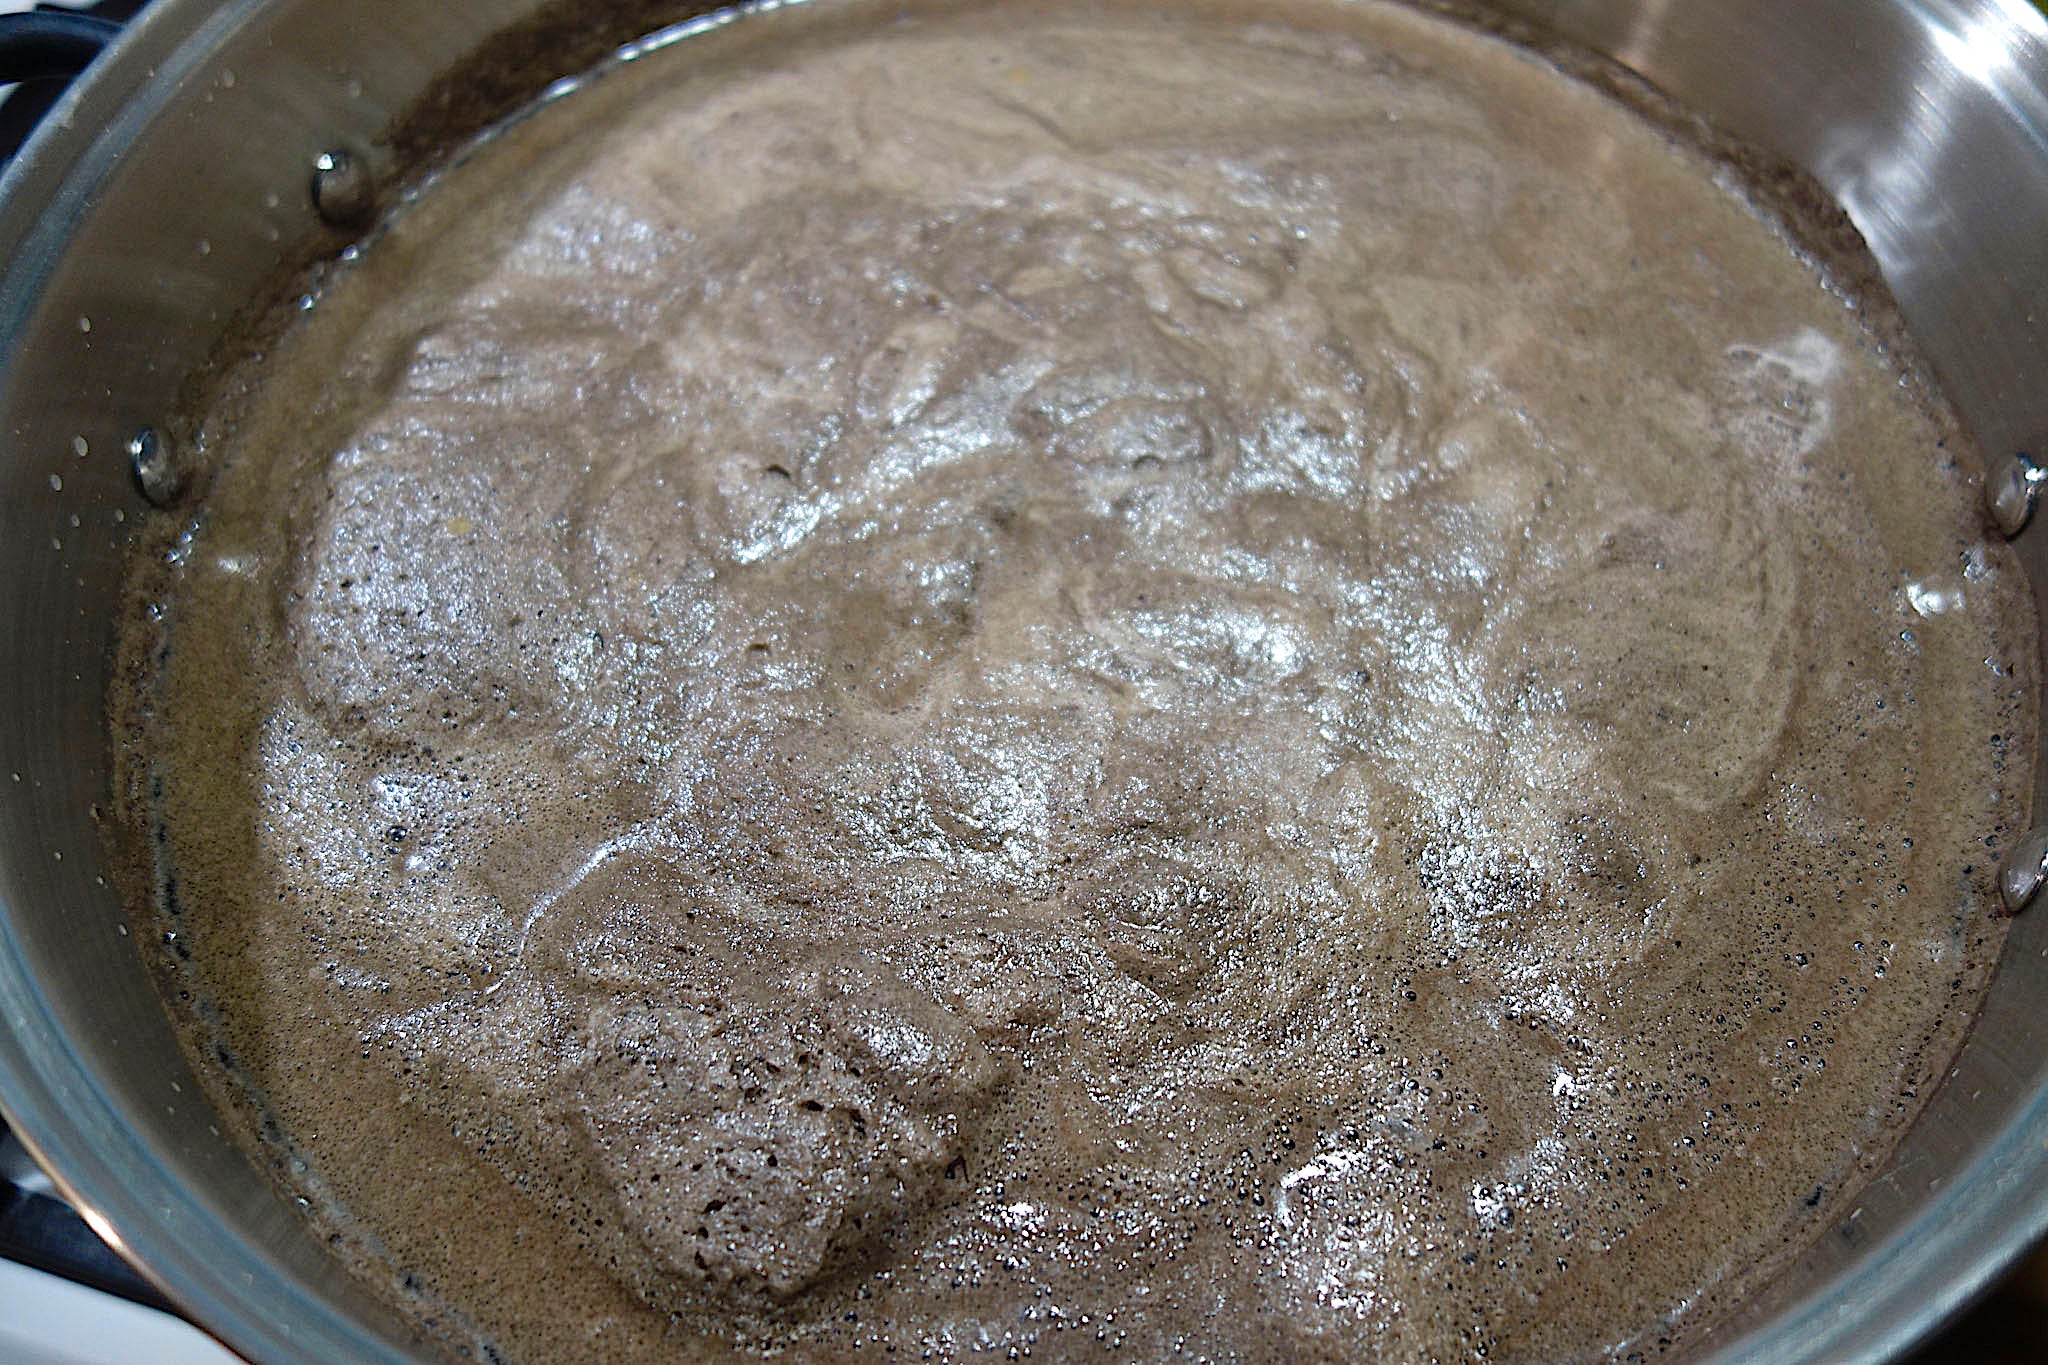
[{"x": 175, "y": 184}]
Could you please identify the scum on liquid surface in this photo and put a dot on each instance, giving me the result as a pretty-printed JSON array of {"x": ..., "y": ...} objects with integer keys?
[{"x": 1045, "y": 679}]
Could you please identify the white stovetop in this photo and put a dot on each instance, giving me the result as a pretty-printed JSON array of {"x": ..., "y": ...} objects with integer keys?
[{"x": 45, "y": 1320}]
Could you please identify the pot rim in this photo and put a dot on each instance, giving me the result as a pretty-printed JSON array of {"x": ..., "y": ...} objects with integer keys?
[
  {"x": 61, "y": 1108},
  {"x": 57, "y": 1106}
]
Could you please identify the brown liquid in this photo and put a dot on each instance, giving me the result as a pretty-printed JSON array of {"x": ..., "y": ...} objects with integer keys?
[{"x": 1042, "y": 678}]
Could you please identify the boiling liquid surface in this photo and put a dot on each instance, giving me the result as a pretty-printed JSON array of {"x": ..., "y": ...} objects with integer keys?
[{"x": 1049, "y": 678}]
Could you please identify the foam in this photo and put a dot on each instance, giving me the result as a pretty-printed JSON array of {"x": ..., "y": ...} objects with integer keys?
[{"x": 1237, "y": 691}]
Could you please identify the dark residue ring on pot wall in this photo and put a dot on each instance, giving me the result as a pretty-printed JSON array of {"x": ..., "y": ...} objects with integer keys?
[{"x": 1238, "y": 688}]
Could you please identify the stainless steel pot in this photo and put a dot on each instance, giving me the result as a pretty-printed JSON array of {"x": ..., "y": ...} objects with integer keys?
[{"x": 173, "y": 181}]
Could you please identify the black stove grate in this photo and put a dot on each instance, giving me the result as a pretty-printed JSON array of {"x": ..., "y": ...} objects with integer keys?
[
  {"x": 38, "y": 1229},
  {"x": 25, "y": 104}
]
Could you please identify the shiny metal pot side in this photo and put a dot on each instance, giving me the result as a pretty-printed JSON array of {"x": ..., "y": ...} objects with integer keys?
[{"x": 187, "y": 167}]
